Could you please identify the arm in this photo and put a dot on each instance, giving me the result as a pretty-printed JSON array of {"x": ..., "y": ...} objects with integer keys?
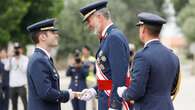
[
  {"x": 7, "y": 63},
  {"x": 23, "y": 64},
  {"x": 119, "y": 65},
  {"x": 42, "y": 83},
  {"x": 140, "y": 76},
  {"x": 69, "y": 71}
]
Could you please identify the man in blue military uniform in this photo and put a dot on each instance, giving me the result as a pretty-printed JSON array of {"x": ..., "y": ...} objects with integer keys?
[
  {"x": 155, "y": 68},
  {"x": 112, "y": 57},
  {"x": 78, "y": 73},
  {"x": 43, "y": 78}
]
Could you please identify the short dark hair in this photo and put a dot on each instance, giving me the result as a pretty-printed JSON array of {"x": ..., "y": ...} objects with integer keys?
[
  {"x": 87, "y": 47},
  {"x": 154, "y": 29},
  {"x": 35, "y": 36}
]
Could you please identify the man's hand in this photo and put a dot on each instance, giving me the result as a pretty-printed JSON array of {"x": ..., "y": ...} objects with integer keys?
[
  {"x": 120, "y": 90},
  {"x": 88, "y": 94},
  {"x": 77, "y": 94},
  {"x": 71, "y": 94}
]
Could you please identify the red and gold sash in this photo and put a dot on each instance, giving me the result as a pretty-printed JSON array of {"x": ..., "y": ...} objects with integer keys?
[{"x": 106, "y": 85}]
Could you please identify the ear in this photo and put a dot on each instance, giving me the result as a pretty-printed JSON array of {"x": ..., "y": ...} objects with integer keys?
[{"x": 42, "y": 37}]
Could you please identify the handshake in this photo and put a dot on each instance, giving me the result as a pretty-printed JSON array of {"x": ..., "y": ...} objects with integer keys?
[
  {"x": 88, "y": 94},
  {"x": 85, "y": 94}
]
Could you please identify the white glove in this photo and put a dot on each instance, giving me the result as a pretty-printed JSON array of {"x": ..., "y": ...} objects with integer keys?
[
  {"x": 88, "y": 94},
  {"x": 112, "y": 109},
  {"x": 120, "y": 90},
  {"x": 71, "y": 95}
]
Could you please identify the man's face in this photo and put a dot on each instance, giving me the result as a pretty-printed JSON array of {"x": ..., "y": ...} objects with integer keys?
[
  {"x": 85, "y": 52},
  {"x": 3, "y": 54},
  {"x": 52, "y": 38},
  {"x": 94, "y": 24},
  {"x": 18, "y": 51}
]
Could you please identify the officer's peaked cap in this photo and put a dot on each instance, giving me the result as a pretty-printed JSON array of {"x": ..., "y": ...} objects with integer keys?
[
  {"x": 89, "y": 9},
  {"x": 150, "y": 18},
  {"x": 44, "y": 25}
]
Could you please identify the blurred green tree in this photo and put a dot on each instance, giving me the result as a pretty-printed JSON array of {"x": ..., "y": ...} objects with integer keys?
[
  {"x": 11, "y": 13},
  {"x": 186, "y": 18},
  {"x": 17, "y": 14},
  {"x": 179, "y": 5},
  {"x": 73, "y": 32},
  {"x": 39, "y": 10}
]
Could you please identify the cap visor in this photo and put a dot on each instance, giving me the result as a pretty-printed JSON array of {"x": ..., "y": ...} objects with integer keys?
[
  {"x": 89, "y": 14},
  {"x": 138, "y": 24}
]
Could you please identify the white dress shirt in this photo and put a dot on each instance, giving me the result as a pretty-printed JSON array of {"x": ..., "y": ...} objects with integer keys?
[{"x": 18, "y": 71}]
